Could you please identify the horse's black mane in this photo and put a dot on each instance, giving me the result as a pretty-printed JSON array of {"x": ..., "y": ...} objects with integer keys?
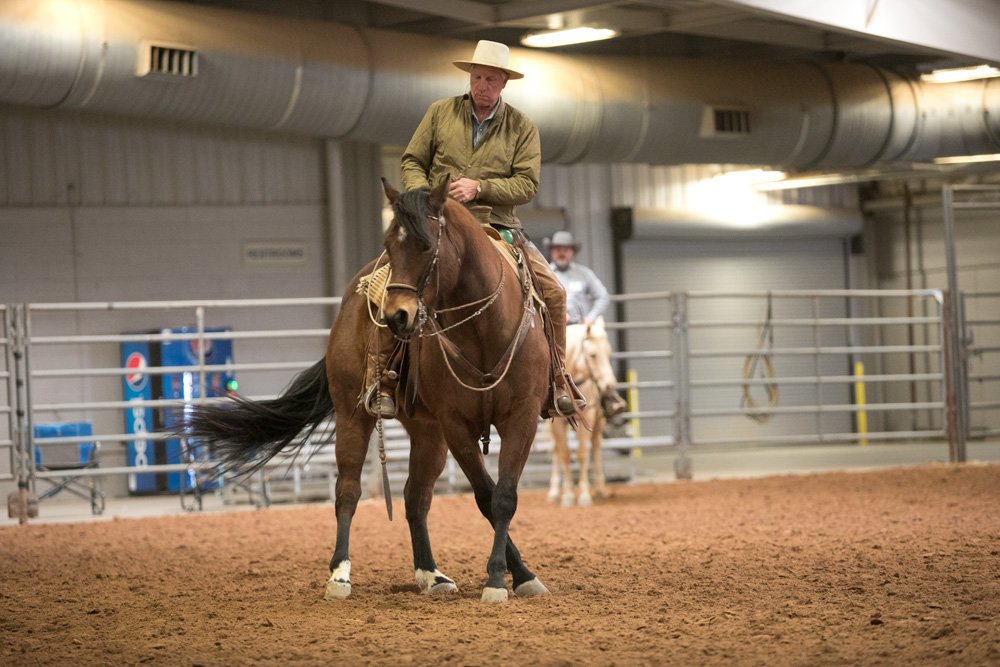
[{"x": 411, "y": 215}]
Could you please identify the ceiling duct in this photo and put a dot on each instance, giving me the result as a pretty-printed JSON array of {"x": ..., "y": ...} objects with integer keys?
[{"x": 337, "y": 81}]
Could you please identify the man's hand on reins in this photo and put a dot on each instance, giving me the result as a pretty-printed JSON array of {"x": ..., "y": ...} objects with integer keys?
[{"x": 464, "y": 189}]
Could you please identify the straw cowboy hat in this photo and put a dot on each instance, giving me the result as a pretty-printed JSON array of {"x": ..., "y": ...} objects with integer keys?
[
  {"x": 564, "y": 238},
  {"x": 491, "y": 54}
]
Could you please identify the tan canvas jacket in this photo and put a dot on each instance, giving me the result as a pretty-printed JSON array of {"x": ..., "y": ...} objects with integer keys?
[{"x": 506, "y": 162}]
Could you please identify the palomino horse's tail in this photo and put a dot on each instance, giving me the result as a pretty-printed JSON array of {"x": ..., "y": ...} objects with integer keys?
[{"x": 246, "y": 434}]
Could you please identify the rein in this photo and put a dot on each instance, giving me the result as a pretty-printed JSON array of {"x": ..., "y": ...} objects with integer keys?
[{"x": 488, "y": 299}]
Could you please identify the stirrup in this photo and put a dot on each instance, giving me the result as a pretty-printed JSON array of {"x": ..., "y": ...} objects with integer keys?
[
  {"x": 562, "y": 406},
  {"x": 375, "y": 403}
]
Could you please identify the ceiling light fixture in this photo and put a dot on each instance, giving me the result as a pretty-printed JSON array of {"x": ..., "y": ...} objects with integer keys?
[
  {"x": 966, "y": 159},
  {"x": 749, "y": 176},
  {"x": 817, "y": 180},
  {"x": 955, "y": 74},
  {"x": 551, "y": 38}
]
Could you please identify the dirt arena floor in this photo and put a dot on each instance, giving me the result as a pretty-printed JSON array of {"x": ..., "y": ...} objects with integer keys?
[{"x": 898, "y": 567}]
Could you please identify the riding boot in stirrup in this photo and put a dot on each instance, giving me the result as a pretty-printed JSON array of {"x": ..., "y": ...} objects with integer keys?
[
  {"x": 559, "y": 403},
  {"x": 379, "y": 398}
]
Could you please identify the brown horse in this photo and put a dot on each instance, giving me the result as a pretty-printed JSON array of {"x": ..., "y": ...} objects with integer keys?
[
  {"x": 588, "y": 360},
  {"x": 456, "y": 302}
]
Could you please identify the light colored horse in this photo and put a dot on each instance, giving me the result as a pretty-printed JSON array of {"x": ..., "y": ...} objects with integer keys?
[{"x": 588, "y": 360}]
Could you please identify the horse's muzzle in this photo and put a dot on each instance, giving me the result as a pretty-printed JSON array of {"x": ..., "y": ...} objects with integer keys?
[{"x": 400, "y": 322}]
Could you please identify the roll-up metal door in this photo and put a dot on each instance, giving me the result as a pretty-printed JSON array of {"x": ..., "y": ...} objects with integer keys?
[{"x": 739, "y": 263}]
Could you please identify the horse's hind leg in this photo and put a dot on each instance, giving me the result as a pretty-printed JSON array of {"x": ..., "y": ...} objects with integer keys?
[
  {"x": 428, "y": 454},
  {"x": 470, "y": 461},
  {"x": 353, "y": 432}
]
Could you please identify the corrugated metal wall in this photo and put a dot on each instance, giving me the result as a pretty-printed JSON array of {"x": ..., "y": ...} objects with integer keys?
[
  {"x": 977, "y": 254},
  {"x": 69, "y": 158},
  {"x": 584, "y": 194}
]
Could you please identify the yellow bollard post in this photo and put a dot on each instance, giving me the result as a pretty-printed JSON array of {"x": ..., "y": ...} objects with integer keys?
[
  {"x": 859, "y": 399},
  {"x": 632, "y": 376}
]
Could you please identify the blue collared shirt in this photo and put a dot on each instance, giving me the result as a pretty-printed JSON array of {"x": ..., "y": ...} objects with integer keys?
[
  {"x": 479, "y": 129},
  {"x": 582, "y": 286}
]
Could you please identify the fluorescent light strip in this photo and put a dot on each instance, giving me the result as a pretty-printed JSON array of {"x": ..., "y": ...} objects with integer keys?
[
  {"x": 546, "y": 40},
  {"x": 960, "y": 74},
  {"x": 966, "y": 159},
  {"x": 749, "y": 177}
]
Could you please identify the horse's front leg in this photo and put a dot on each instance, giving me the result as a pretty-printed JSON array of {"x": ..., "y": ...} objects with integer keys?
[
  {"x": 583, "y": 438},
  {"x": 600, "y": 490},
  {"x": 428, "y": 454},
  {"x": 561, "y": 464},
  {"x": 470, "y": 460},
  {"x": 516, "y": 435},
  {"x": 555, "y": 477},
  {"x": 351, "y": 449}
]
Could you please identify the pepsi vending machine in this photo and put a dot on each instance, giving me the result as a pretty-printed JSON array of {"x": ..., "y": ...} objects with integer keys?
[{"x": 139, "y": 386}]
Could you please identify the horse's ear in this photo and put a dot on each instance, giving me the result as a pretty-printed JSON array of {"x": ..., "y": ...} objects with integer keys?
[
  {"x": 390, "y": 192},
  {"x": 598, "y": 325},
  {"x": 439, "y": 194}
]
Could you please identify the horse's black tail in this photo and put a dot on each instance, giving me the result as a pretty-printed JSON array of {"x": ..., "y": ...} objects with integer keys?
[{"x": 245, "y": 434}]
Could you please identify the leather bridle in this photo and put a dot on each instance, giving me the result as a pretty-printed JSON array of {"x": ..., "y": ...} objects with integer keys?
[{"x": 428, "y": 270}]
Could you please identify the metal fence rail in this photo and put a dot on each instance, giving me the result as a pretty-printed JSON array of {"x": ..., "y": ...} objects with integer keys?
[
  {"x": 982, "y": 357},
  {"x": 8, "y": 392},
  {"x": 815, "y": 351},
  {"x": 682, "y": 359},
  {"x": 98, "y": 398},
  {"x": 62, "y": 386}
]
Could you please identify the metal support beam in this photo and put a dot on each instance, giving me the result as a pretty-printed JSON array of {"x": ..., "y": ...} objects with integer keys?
[
  {"x": 957, "y": 407},
  {"x": 682, "y": 371},
  {"x": 466, "y": 10},
  {"x": 964, "y": 28},
  {"x": 354, "y": 209}
]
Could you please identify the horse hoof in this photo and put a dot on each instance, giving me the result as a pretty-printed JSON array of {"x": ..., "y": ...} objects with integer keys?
[
  {"x": 338, "y": 586},
  {"x": 432, "y": 583},
  {"x": 530, "y": 589},
  {"x": 568, "y": 500},
  {"x": 495, "y": 594},
  {"x": 443, "y": 587},
  {"x": 585, "y": 500},
  {"x": 553, "y": 496},
  {"x": 337, "y": 590}
]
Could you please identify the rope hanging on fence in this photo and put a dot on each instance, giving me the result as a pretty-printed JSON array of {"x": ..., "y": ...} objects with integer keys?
[{"x": 759, "y": 365}]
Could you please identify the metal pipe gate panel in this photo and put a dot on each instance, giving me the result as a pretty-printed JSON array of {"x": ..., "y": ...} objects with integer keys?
[{"x": 688, "y": 355}]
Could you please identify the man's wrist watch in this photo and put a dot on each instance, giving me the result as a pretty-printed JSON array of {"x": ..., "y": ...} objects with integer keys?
[{"x": 479, "y": 188}]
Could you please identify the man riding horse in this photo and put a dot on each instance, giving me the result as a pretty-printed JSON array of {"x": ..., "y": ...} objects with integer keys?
[{"x": 492, "y": 152}]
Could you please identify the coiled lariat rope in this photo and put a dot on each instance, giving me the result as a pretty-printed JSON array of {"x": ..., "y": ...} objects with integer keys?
[{"x": 759, "y": 365}]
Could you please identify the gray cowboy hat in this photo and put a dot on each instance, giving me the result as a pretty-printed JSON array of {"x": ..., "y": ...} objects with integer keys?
[{"x": 564, "y": 238}]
